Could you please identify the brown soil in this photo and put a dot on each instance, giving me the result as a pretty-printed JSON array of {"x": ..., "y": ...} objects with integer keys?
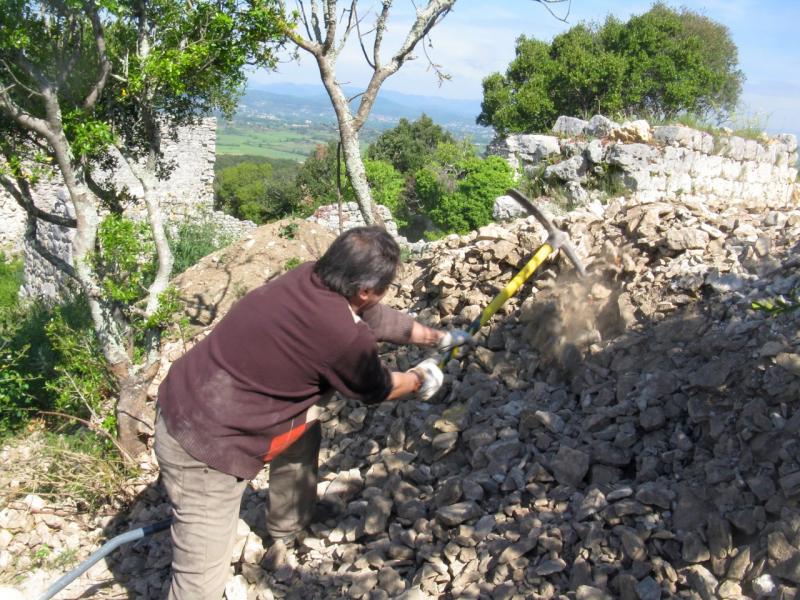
[{"x": 209, "y": 288}]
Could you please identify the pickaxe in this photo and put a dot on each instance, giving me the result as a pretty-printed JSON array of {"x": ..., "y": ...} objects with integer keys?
[{"x": 556, "y": 240}]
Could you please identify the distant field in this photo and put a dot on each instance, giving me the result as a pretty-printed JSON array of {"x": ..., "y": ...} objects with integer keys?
[{"x": 253, "y": 140}]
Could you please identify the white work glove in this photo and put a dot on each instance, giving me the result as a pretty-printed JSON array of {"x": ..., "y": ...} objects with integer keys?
[
  {"x": 453, "y": 339},
  {"x": 432, "y": 378}
]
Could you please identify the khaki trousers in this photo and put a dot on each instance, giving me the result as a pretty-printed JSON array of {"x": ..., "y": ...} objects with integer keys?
[{"x": 205, "y": 509}]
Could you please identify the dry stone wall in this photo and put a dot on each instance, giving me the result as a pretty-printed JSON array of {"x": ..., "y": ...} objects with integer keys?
[{"x": 585, "y": 158}]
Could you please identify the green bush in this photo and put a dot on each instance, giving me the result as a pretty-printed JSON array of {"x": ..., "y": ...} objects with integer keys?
[
  {"x": 82, "y": 385},
  {"x": 10, "y": 280},
  {"x": 457, "y": 190},
  {"x": 193, "y": 240},
  {"x": 16, "y": 400},
  {"x": 50, "y": 361}
]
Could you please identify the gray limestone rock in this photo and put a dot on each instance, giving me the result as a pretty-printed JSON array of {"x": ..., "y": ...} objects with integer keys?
[{"x": 570, "y": 466}]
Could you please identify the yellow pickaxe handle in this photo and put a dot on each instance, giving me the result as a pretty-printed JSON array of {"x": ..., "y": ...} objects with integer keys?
[{"x": 544, "y": 251}]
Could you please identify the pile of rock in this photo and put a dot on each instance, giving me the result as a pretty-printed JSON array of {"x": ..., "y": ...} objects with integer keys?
[{"x": 631, "y": 435}]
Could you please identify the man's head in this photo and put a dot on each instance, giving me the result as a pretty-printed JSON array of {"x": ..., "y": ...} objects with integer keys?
[{"x": 362, "y": 261}]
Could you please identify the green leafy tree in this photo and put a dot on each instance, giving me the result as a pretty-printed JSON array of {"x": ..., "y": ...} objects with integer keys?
[
  {"x": 242, "y": 190},
  {"x": 408, "y": 146},
  {"x": 658, "y": 64},
  {"x": 78, "y": 78},
  {"x": 387, "y": 185},
  {"x": 257, "y": 188},
  {"x": 317, "y": 181},
  {"x": 457, "y": 189}
]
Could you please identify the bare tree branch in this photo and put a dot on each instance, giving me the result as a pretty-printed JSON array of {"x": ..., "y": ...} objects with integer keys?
[
  {"x": 105, "y": 63},
  {"x": 21, "y": 193},
  {"x": 17, "y": 81},
  {"x": 546, "y": 4},
  {"x": 305, "y": 19},
  {"x": 361, "y": 41},
  {"x": 22, "y": 117},
  {"x": 350, "y": 24},
  {"x": 426, "y": 19},
  {"x": 380, "y": 29},
  {"x": 315, "y": 21},
  {"x": 329, "y": 14},
  {"x": 59, "y": 263}
]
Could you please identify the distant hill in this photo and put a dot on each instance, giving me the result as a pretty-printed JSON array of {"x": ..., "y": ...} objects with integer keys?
[
  {"x": 294, "y": 104},
  {"x": 286, "y": 120}
]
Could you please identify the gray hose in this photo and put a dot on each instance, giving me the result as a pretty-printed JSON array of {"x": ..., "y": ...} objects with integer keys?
[{"x": 107, "y": 548}]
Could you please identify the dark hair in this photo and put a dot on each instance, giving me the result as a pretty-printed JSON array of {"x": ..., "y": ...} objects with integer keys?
[{"x": 362, "y": 258}]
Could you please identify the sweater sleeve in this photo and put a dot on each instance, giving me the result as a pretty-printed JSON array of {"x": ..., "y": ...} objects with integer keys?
[
  {"x": 388, "y": 324},
  {"x": 358, "y": 372}
]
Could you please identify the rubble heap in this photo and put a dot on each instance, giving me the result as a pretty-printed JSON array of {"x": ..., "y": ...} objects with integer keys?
[{"x": 631, "y": 435}]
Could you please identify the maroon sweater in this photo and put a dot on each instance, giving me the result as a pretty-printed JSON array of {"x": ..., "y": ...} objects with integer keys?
[{"x": 268, "y": 361}]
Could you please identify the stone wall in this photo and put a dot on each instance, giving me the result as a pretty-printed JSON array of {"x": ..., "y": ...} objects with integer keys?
[
  {"x": 585, "y": 158},
  {"x": 186, "y": 194},
  {"x": 328, "y": 217}
]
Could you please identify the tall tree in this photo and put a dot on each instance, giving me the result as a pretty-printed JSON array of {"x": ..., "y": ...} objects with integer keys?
[
  {"x": 657, "y": 64},
  {"x": 79, "y": 77},
  {"x": 409, "y": 145},
  {"x": 322, "y": 37}
]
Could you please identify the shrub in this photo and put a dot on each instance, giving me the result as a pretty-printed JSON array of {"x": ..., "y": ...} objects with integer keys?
[
  {"x": 192, "y": 241},
  {"x": 10, "y": 280},
  {"x": 82, "y": 385},
  {"x": 457, "y": 190}
]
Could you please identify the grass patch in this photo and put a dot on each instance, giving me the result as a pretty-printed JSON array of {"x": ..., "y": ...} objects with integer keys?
[
  {"x": 192, "y": 241},
  {"x": 71, "y": 467},
  {"x": 284, "y": 143},
  {"x": 10, "y": 280}
]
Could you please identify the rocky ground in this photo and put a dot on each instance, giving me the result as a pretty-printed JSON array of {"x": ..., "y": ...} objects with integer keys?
[{"x": 633, "y": 435}]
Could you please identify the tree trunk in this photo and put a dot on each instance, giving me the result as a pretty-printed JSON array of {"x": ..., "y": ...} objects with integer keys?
[
  {"x": 133, "y": 425},
  {"x": 348, "y": 134}
]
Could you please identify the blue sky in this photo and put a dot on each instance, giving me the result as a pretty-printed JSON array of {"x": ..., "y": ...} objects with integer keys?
[{"x": 477, "y": 38}]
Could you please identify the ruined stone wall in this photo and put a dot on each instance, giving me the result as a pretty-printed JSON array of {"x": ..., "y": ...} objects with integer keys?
[
  {"x": 186, "y": 194},
  {"x": 585, "y": 158}
]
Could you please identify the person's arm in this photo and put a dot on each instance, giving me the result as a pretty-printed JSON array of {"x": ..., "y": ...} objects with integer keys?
[
  {"x": 422, "y": 335},
  {"x": 404, "y": 383}
]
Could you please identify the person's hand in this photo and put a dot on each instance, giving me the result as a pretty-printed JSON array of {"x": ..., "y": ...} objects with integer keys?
[
  {"x": 432, "y": 378},
  {"x": 454, "y": 339}
]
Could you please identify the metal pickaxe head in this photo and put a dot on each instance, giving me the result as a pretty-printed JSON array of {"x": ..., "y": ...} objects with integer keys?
[{"x": 556, "y": 238}]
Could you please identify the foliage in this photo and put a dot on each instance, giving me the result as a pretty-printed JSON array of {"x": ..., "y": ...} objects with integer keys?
[
  {"x": 10, "y": 280},
  {"x": 657, "y": 64},
  {"x": 15, "y": 397},
  {"x": 780, "y": 304},
  {"x": 292, "y": 263},
  {"x": 408, "y": 146},
  {"x": 72, "y": 467},
  {"x": 193, "y": 240},
  {"x": 387, "y": 186},
  {"x": 288, "y": 231},
  {"x": 316, "y": 180},
  {"x": 83, "y": 385},
  {"x": 124, "y": 262},
  {"x": 259, "y": 191},
  {"x": 50, "y": 360},
  {"x": 457, "y": 189},
  {"x": 193, "y": 65}
]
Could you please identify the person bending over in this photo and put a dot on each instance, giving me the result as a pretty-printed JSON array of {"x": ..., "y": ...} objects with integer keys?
[{"x": 247, "y": 395}]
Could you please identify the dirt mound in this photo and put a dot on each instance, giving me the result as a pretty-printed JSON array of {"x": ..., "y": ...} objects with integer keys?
[{"x": 209, "y": 288}]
